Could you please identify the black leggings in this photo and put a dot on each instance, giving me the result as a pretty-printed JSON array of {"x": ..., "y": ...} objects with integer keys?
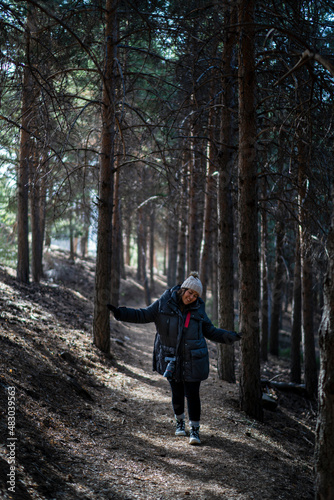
[{"x": 190, "y": 390}]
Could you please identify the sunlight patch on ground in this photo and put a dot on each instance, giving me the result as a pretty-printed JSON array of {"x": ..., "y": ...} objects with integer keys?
[
  {"x": 135, "y": 390},
  {"x": 139, "y": 371}
]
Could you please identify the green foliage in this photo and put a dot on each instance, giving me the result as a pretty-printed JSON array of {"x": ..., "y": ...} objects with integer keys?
[
  {"x": 7, "y": 222},
  {"x": 8, "y": 250}
]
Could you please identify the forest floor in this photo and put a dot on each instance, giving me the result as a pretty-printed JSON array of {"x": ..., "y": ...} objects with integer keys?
[{"x": 91, "y": 427}]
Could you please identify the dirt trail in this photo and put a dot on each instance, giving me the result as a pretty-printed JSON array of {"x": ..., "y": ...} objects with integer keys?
[{"x": 95, "y": 428}]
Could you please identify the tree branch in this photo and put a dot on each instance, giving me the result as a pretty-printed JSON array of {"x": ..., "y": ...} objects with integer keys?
[{"x": 306, "y": 56}]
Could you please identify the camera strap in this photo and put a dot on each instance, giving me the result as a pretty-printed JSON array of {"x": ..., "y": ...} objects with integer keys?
[{"x": 186, "y": 323}]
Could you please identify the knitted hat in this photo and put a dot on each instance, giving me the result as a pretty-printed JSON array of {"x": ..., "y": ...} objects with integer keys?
[{"x": 194, "y": 283}]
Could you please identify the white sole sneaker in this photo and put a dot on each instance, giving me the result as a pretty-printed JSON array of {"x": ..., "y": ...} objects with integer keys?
[
  {"x": 180, "y": 428},
  {"x": 194, "y": 441},
  {"x": 180, "y": 433},
  {"x": 194, "y": 436}
]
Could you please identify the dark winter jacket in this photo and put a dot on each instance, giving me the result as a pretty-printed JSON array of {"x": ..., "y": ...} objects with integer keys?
[{"x": 174, "y": 339}]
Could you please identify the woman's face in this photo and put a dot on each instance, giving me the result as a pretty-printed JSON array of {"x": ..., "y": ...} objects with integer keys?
[{"x": 189, "y": 296}]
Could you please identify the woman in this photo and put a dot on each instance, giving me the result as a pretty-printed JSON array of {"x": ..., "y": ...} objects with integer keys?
[{"x": 180, "y": 349}]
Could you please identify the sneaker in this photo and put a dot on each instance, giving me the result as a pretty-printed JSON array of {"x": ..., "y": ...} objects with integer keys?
[
  {"x": 194, "y": 436},
  {"x": 180, "y": 428}
]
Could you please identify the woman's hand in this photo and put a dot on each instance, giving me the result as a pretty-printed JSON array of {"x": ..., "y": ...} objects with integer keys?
[
  {"x": 114, "y": 310},
  {"x": 230, "y": 337}
]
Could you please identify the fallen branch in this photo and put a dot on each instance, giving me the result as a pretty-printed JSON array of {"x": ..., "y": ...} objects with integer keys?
[{"x": 299, "y": 389}]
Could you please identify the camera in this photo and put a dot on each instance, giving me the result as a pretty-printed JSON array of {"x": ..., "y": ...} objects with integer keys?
[{"x": 170, "y": 368}]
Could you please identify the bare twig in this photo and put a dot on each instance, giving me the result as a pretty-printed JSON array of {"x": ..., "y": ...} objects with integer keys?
[{"x": 306, "y": 56}]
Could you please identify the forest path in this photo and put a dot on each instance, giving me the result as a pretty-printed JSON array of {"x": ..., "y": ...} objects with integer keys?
[
  {"x": 89, "y": 427},
  {"x": 238, "y": 458}
]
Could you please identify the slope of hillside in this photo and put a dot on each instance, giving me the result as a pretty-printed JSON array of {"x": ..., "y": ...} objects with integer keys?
[{"x": 78, "y": 425}]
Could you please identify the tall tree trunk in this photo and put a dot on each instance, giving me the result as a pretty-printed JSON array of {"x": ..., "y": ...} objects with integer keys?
[
  {"x": 165, "y": 252},
  {"x": 264, "y": 286},
  {"x": 42, "y": 205},
  {"x": 101, "y": 321},
  {"x": 226, "y": 361},
  {"x": 22, "y": 270},
  {"x": 141, "y": 243},
  {"x": 86, "y": 211},
  {"x": 310, "y": 367},
  {"x": 196, "y": 203},
  {"x": 210, "y": 203},
  {"x": 214, "y": 280},
  {"x": 128, "y": 228},
  {"x": 324, "y": 449},
  {"x": 152, "y": 249},
  {"x": 296, "y": 328},
  {"x": 37, "y": 238},
  {"x": 116, "y": 244},
  {"x": 37, "y": 210},
  {"x": 141, "y": 226},
  {"x": 250, "y": 384},
  {"x": 72, "y": 243},
  {"x": 226, "y": 358},
  {"x": 172, "y": 251},
  {"x": 84, "y": 243},
  {"x": 277, "y": 290},
  {"x": 142, "y": 257},
  {"x": 182, "y": 238}
]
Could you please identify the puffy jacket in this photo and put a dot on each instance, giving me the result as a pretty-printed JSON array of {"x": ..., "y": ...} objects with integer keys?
[{"x": 174, "y": 339}]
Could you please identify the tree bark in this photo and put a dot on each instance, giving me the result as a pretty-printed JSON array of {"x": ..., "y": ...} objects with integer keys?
[
  {"x": 210, "y": 202},
  {"x": 86, "y": 211},
  {"x": 277, "y": 290},
  {"x": 214, "y": 280},
  {"x": 142, "y": 250},
  {"x": 101, "y": 321},
  {"x": 152, "y": 248},
  {"x": 172, "y": 251},
  {"x": 264, "y": 286},
  {"x": 73, "y": 243},
  {"x": 310, "y": 367},
  {"x": 141, "y": 243},
  {"x": 324, "y": 448},
  {"x": 226, "y": 357},
  {"x": 196, "y": 203},
  {"x": 116, "y": 244},
  {"x": 296, "y": 328},
  {"x": 182, "y": 238},
  {"x": 128, "y": 228},
  {"x": 22, "y": 271},
  {"x": 37, "y": 207},
  {"x": 250, "y": 384},
  {"x": 142, "y": 257}
]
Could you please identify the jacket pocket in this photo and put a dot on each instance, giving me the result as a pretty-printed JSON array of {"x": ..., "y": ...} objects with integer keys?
[{"x": 199, "y": 364}]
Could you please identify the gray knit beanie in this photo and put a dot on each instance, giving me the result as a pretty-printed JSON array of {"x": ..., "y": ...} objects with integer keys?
[{"x": 194, "y": 283}]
